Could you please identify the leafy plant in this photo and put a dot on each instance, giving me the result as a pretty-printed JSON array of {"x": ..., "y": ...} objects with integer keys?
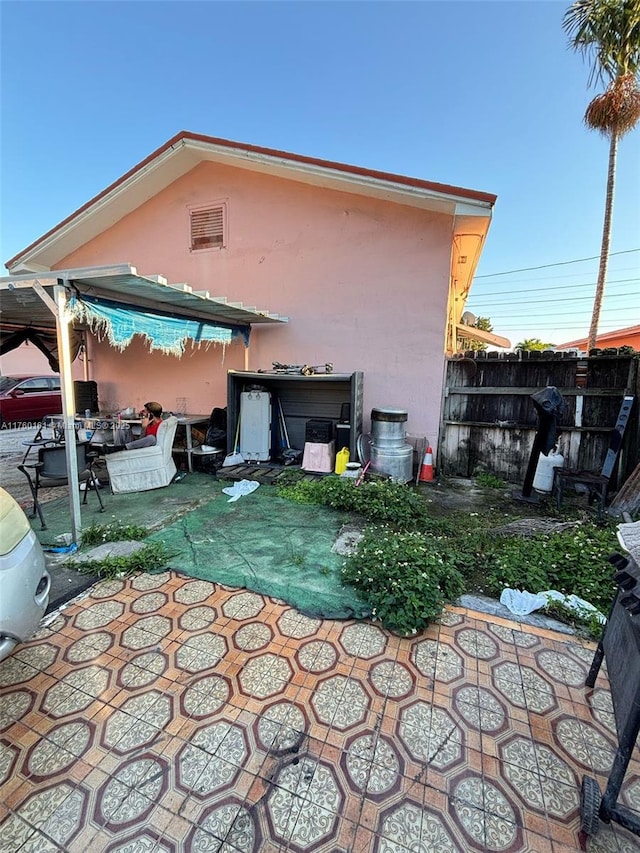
[
  {"x": 290, "y": 476},
  {"x": 409, "y": 564},
  {"x": 584, "y": 622},
  {"x": 489, "y": 481},
  {"x": 115, "y": 531},
  {"x": 153, "y": 555},
  {"x": 296, "y": 557},
  {"x": 572, "y": 561},
  {"x": 533, "y": 345},
  {"x": 483, "y": 323},
  {"x": 378, "y": 500},
  {"x": 403, "y": 577}
]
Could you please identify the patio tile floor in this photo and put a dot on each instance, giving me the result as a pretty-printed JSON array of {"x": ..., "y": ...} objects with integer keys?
[{"x": 166, "y": 714}]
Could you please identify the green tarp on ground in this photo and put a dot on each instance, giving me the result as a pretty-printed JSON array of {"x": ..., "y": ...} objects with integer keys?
[
  {"x": 260, "y": 542},
  {"x": 268, "y": 545}
]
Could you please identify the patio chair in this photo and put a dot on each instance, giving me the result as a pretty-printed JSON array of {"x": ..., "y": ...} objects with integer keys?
[
  {"x": 38, "y": 441},
  {"x": 596, "y": 484},
  {"x": 145, "y": 468},
  {"x": 50, "y": 471}
]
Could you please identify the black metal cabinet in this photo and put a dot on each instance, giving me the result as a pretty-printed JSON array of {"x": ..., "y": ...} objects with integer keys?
[{"x": 302, "y": 398}]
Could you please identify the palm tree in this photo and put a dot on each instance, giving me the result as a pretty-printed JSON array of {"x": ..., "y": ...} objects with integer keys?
[{"x": 608, "y": 33}]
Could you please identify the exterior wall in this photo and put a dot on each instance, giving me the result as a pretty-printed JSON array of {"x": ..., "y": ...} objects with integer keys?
[
  {"x": 24, "y": 359},
  {"x": 623, "y": 338},
  {"x": 27, "y": 359},
  {"x": 364, "y": 283}
]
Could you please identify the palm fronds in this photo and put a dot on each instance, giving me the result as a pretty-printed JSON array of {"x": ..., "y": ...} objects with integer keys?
[{"x": 608, "y": 33}]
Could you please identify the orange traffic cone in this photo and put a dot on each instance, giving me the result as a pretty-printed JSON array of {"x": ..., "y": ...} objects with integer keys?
[{"x": 426, "y": 470}]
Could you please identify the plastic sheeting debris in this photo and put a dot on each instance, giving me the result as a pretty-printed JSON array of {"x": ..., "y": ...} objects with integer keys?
[
  {"x": 521, "y": 602},
  {"x": 239, "y": 489}
]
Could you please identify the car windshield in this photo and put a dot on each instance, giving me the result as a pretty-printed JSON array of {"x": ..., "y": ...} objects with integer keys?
[{"x": 8, "y": 382}]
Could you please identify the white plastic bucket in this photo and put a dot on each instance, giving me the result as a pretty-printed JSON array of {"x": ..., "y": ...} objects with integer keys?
[{"x": 543, "y": 480}]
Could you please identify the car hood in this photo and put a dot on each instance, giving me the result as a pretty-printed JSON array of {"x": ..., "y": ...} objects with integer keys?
[{"x": 14, "y": 524}]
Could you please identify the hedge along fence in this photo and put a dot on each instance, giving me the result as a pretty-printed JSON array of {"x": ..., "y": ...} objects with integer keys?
[{"x": 489, "y": 420}]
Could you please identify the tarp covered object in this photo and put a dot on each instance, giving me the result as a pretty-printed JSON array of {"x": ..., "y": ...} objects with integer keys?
[
  {"x": 119, "y": 323},
  {"x": 550, "y": 406},
  {"x": 45, "y": 341}
]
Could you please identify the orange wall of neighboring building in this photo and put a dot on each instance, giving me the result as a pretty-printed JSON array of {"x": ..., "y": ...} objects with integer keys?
[
  {"x": 622, "y": 340},
  {"x": 629, "y": 337},
  {"x": 363, "y": 282}
]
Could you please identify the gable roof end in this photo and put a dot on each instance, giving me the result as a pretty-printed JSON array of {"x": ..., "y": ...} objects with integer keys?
[{"x": 185, "y": 150}]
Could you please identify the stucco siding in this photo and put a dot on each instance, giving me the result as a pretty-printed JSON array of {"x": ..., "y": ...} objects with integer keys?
[{"x": 363, "y": 281}]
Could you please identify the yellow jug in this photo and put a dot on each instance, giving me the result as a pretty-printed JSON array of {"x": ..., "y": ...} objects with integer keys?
[{"x": 342, "y": 457}]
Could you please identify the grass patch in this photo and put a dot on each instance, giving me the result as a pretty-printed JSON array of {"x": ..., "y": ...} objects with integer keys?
[
  {"x": 115, "y": 531},
  {"x": 584, "y": 623},
  {"x": 489, "y": 481},
  {"x": 150, "y": 557}
]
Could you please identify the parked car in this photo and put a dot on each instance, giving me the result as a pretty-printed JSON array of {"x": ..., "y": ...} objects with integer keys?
[
  {"x": 28, "y": 399},
  {"x": 24, "y": 580}
]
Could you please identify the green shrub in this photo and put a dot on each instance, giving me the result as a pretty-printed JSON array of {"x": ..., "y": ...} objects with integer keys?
[
  {"x": 402, "y": 577},
  {"x": 377, "y": 500},
  {"x": 573, "y": 562},
  {"x": 408, "y": 567}
]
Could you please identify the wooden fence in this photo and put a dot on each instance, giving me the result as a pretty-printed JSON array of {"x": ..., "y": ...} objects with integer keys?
[{"x": 489, "y": 420}]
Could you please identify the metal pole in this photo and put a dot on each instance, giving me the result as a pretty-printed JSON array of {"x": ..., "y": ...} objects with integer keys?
[
  {"x": 85, "y": 360},
  {"x": 68, "y": 408},
  {"x": 57, "y": 308}
]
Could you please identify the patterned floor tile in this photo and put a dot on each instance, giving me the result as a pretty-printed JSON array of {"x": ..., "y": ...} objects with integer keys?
[{"x": 167, "y": 714}]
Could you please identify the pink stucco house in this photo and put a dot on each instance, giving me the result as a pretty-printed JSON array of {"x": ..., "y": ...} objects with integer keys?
[{"x": 371, "y": 269}]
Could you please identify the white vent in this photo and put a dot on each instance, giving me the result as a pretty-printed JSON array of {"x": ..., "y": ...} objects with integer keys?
[{"x": 207, "y": 228}]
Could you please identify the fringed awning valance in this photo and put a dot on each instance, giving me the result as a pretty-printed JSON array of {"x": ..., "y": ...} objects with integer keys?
[{"x": 119, "y": 324}]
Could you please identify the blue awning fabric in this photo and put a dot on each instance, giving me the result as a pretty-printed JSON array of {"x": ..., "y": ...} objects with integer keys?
[{"x": 119, "y": 323}]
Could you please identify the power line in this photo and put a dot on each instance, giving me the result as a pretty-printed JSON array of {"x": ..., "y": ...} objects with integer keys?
[
  {"x": 557, "y": 277},
  {"x": 531, "y": 304},
  {"x": 557, "y": 289},
  {"x": 577, "y": 319},
  {"x": 558, "y": 264},
  {"x": 544, "y": 324}
]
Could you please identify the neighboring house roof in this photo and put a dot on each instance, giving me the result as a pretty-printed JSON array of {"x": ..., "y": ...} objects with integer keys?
[
  {"x": 471, "y": 208},
  {"x": 630, "y": 336}
]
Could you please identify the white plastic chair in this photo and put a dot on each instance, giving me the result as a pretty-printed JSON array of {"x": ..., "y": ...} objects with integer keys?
[{"x": 145, "y": 468}]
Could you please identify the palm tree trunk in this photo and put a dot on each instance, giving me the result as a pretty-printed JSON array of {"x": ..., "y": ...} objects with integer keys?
[{"x": 606, "y": 239}]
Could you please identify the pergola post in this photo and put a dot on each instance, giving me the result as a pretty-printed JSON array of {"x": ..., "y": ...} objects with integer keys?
[
  {"x": 58, "y": 306},
  {"x": 68, "y": 407}
]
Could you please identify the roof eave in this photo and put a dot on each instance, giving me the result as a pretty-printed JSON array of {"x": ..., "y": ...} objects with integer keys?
[{"x": 185, "y": 150}]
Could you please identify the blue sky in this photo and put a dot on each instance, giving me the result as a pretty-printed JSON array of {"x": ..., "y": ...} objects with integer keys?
[{"x": 478, "y": 94}]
